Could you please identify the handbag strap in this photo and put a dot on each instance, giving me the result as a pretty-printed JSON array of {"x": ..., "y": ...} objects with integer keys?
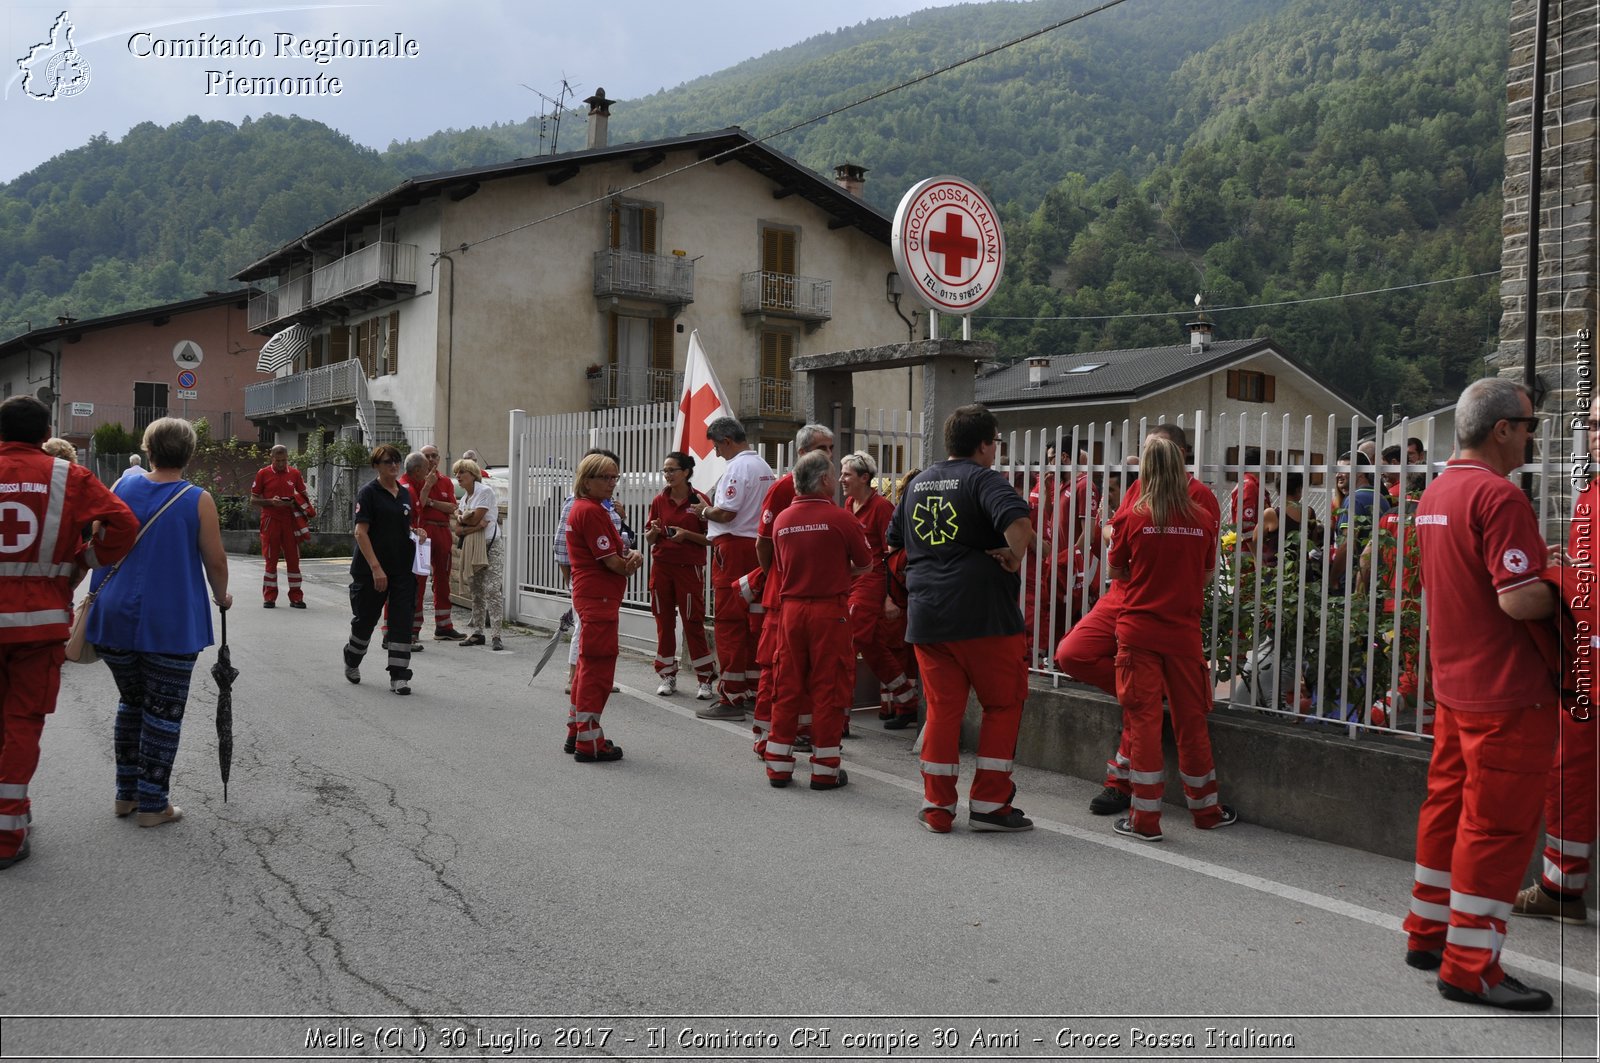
[{"x": 144, "y": 528}]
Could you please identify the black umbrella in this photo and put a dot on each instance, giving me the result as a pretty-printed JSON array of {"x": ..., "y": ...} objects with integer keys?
[{"x": 224, "y": 673}]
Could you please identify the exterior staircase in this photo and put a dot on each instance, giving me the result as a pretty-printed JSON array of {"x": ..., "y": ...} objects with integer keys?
[{"x": 385, "y": 426}]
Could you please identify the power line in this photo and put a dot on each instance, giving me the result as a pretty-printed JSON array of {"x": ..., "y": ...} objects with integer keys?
[
  {"x": 1069, "y": 20},
  {"x": 1247, "y": 306}
]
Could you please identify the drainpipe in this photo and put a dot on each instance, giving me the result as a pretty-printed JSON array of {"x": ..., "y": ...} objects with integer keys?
[{"x": 450, "y": 348}]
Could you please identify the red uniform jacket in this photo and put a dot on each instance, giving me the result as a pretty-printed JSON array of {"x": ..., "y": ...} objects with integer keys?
[{"x": 46, "y": 506}]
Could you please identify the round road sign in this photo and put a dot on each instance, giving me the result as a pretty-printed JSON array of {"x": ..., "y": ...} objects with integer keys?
[{"x": 187, "y": 379}]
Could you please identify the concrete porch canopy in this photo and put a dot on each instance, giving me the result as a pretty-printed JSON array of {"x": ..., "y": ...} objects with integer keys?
[{"x": 949, "y": 371}]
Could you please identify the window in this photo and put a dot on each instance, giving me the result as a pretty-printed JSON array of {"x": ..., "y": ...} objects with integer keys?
[
  {"x": 1249, "y": 386},
  {"x": 1087, "y": 367},
  {"x": 149, "y": 404},
  {"x": 338, "y": 344},
  {"x": 641, "y": 353},
  {"x": 777, "y": 350},
  {"x": 378, "y": 345},
  {"x": 634, "y": 227},
  {"x": 778, "y": 258}
]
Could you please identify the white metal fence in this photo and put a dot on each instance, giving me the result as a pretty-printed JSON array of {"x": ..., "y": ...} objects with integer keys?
[{"x": 1327, "y": 625}]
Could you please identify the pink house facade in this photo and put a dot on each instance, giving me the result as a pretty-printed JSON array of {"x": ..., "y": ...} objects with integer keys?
[{"x": 189, "y": 359}]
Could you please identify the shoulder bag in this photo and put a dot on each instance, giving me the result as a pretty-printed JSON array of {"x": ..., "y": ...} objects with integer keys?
[{"x": 79, "y": 649}]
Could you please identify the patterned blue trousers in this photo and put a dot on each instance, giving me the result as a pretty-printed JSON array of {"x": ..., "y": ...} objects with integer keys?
[{"x": 153, "y": 689}]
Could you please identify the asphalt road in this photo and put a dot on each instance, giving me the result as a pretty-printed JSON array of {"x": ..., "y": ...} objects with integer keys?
[{"x": 431, "y": 877}]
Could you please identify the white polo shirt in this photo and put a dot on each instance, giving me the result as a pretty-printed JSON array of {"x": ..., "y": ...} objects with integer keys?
[{"x": 743, "y": 485}]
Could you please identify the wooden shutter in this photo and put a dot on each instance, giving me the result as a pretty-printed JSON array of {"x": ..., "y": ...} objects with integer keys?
[
  {"x": 338, "y": 344},
  {"x": 1233, "y": 383},
  {"x": 776, "y": 350},
  {"x": 647, "y": 230},
  {"x": 611, "y": 341},
  {"x": 1269, "y": 387},
  {"x": 394, "y": 342},
  {"x": 777, "y": 251},
  {"x": 661, "y": 343}
]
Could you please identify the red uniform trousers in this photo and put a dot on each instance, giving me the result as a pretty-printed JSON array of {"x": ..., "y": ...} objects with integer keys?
[
  {"x": 439, "y": 560},
  {"x": 30, "y": 678},
  {"x": 731, "y": 557},
  {"x": 813, "y": 672},
  {"x": 675, "y": 589},
  {"x": 597, "y": 669},
  {"x": 873, "y": 638},
  {"x": 995, "y": 667},
  {"x": 278, "y": 540},
  {"x": 1475, "y": 833},
  {"x": 1569, "y": 809},
  {"x": 1142, "y": 677},
  {"x": 1089, "y": 655},
  {"x": 766, "y": 631}
]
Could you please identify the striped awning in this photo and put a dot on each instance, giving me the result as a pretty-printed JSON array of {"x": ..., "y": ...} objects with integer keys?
[{"x": 283, "y": 348}]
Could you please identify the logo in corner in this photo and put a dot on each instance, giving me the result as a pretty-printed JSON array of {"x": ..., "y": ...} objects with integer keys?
[
  {"x": 55, "y": 69},
  {"x": 1516, "y": 562}
]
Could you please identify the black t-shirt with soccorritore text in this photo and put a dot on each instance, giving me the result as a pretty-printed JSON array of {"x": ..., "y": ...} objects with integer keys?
[{"x": 951, "y": 515}]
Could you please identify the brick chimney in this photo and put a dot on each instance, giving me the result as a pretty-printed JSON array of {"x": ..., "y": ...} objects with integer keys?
[
  {"x": 599, "y": 116},
  {"x": 851, "y": 178}
]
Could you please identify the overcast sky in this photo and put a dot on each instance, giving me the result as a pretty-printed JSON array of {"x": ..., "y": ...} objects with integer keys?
[{"x": 472, "y": 58}]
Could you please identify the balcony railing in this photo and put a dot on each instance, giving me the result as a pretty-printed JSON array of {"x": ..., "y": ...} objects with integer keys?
[
  {"x": 783, "y": 294},
  {"x": 373, "y": 265},
  {"x": 330, "y": 385},
  {"x": 634, "y": 274},
  {"x": 615, "y": 386},
  {"x": 765, "y": 396}
]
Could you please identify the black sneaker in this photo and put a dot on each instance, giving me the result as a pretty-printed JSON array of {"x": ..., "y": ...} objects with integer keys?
[
  {"x": 1229, "y": 818},
  {"x": 1424, "y": 959},
  {"x": 399, "y": 686},
  {"x": 1110, "y": 801},
  {"x": 1124, "y": 827},
  {"x": 447, "y": 634},
  {"x": 1010, "y": 820},
  {"x": 840, "y": 781},
  {"x": 474, "y": 639},
  {"x": 1509, "y": 994},
  {"x": 605, "y": 753},
  {"x": 269, "y": 605},
  {"x": 297, "y": 605},
  {"x": 570, "y": 746},
  {"x": 16, "y": 858},
  {"x": 352, "y": 673},
  {"x": 900, "y": 723}
]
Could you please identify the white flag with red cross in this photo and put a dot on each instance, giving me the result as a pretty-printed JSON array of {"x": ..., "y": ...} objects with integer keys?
[{"x": 703, "y": 401}]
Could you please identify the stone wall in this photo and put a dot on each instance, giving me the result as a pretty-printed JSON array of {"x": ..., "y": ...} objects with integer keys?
[{"x": 1565, "y": 297}]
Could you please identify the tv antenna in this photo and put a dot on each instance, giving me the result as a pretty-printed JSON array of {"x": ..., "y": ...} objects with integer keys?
[{"x": 550, "y": 111}]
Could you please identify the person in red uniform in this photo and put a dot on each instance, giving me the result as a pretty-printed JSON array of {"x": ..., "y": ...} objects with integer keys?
[
  {"x": 1089, "y": 650},
  {"x": 279, "y": 492},
  {"x": 732, "y": 516},
  {"x": 48, "y": 510},
  {"x": 816, "y": 548},
  {"x": 1164, "y": 551},
  {"x": 677, "y": 537},
  {"x": 434, "y": 500},
  {"x": 1496, "y": 720},
  {"x": 1570, "y": 812},
  {"x": 601, "y": 565},
  {"x": 1248, "y": 500},
  {"x": 965, "y": 531},
  {"x": 763, "y": 616},
  {"x": 873, "y": 636}
]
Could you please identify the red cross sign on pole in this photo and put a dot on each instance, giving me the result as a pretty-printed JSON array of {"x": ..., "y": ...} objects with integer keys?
[{"x": 948, "y": 245}]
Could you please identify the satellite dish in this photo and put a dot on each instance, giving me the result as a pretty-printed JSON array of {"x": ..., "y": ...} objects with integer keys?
[{"x": 45, "y": 395}]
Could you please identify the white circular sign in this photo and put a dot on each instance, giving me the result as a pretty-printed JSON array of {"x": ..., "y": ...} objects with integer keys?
[
  {"x": 187, "y": 354},
  {"x": 948, "y": 245}
]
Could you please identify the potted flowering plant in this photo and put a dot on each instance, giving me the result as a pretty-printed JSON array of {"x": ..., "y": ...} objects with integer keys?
[{"x": 593, "y": 372}]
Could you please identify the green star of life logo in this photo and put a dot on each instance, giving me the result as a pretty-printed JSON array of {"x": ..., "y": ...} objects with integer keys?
[{"x": 934, "y": 521}]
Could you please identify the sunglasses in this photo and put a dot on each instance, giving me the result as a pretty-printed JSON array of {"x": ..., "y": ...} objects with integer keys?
[
  {"x": 389, "y": 461},
  {"x": 1530, "y": 422}
]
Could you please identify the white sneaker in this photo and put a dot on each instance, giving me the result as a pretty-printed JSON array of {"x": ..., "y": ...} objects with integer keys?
[
  {"x": 668, "y": 687},
  {"x": 705, "y": 693}
]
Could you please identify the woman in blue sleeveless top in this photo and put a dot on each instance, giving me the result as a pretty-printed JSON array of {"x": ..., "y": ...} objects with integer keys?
[{"x": 152, "y": 619}]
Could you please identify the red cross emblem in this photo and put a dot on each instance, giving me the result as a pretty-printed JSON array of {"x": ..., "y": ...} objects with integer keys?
[
  {"x": 19, "y": 527},
  {"x": 954, "y": 244},
  {"x": 697, "y": 409}
]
